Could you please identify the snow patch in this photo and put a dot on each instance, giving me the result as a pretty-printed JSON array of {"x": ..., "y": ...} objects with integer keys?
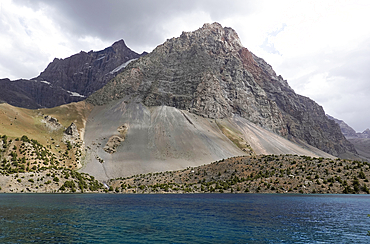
[
  {"x": 44, "y": 81},
  {"x": 75, "y": 94},
  {"x": 122, "y": 66},
  {"x": 100, "y": 58}
]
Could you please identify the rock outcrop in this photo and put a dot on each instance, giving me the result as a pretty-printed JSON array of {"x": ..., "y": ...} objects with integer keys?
[
  {"x": 71, "y": 134},
  {"x": 68, "y": 80},
  {"x": 51, "y": 123},
  {"x": 209, "y": 73},
  {"x": 115, "y": 140}
]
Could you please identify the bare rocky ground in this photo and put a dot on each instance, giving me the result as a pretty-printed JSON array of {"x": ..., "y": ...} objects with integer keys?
[
  {"x": 163, "y": 138},
  {"x": 256, "y": 174}
]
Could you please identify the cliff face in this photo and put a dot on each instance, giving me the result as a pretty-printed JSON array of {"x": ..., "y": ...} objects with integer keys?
[
  {"x": 348, "y": 131},
  {"x": 68, "y": 80},
  {"x": 208, "y": 72},
  {"x": 360, "y": 140},
  {"x": 201, "y": 72},
  {"x": 303, "y": 118}
]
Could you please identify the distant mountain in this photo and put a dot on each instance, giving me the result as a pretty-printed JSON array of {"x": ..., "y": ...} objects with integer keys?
[
  {"x": 68, "y": 80},
  {"x": 360, "y": 140},
  {"x": 348, "y": 131},
  {"x": 209, "y": 73}
]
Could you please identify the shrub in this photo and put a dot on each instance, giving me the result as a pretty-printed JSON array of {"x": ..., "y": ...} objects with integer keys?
[
  {"x": 25, "y": 139},
  {"x": 361, "y": 175}
]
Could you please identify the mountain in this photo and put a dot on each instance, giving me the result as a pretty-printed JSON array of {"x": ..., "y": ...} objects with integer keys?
[
  {"x": 360, "y": 140},
  {"x": 347, "y": 130},
  {"x": 195, "y": 99},
  {"x": 209, "y": 73},
  {"x": 68, "y": 80},
  {"x": 200, "y": 98}
]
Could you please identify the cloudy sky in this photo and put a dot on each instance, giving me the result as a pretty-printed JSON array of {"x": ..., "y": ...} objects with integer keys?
[{"x": 322, "y": 48}]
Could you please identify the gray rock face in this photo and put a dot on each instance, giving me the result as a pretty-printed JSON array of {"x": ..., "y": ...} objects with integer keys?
[
  {"x": 366, "y": 133},
  {"x": 208, "y": 72},
  {"x": 71, "y": 134},
  {"x": 348, "y": 131},
  {"x": 68, "y": 80},
  {"x": 360, "y": 140}
]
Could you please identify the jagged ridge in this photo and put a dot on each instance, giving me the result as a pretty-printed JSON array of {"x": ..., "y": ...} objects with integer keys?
[{"x": 68, "y": 80}]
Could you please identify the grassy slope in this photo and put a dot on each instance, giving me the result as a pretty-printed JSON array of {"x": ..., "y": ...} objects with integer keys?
[
  {"x": 16, "y": 122},
  {"x": 41, "y": 161}
]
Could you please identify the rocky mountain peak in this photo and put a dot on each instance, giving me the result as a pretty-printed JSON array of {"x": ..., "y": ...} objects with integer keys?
[
  {"x": 209, "y": 73},
  {"x": 348, "y": 131},
  {"x": 69, "y": 80},
  {"x": 211, "y": 36},
  {"x": 120, "y": 44}
]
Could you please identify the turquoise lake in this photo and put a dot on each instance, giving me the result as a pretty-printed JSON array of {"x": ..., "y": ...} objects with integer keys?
[{"x": 184, "y": 218}]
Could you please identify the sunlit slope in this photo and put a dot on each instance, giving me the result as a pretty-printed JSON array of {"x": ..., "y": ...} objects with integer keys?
[
  {"x": 164, "y": 138},
  {"x": 266, "y": 142},
  {"x": 16, "y": 122}
]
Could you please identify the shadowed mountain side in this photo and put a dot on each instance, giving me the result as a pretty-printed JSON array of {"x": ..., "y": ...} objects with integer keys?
[
  {"x": 362, "y": 146},
  {"x": 163, "y": 138},
  {"x": 360, "y": 140},
  {"x": 68, "y": 80}
]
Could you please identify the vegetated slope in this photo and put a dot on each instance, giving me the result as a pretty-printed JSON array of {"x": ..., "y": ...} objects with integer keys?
[
  {"x": 161, "y": 138},
  {"x": 41, "y": 149},
  {"x": 16, "y": 122},
  {"x": 209, "y": 73},
  {"x": 28, "y": 166},
  {"x": 68, "y": 80},
  {"x": 47, "y": 127},
  {"x": 256, "y": 174}
]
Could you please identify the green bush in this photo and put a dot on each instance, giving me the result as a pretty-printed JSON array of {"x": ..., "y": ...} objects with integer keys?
[{"x": 25, "y": 139}]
